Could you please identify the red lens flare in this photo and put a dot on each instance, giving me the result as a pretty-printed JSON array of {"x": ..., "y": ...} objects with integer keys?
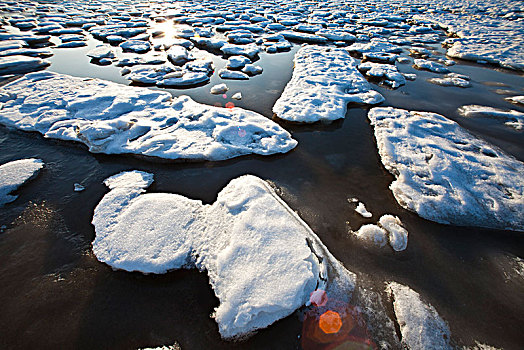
[
  {"x": 230, "y": 105},
  {"x": 330, "y": 322}
]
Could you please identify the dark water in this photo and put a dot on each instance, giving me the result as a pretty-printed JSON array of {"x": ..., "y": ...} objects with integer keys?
[{"x": 55, "y": 294}]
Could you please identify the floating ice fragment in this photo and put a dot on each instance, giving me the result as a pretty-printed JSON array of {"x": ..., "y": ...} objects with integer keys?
[
  {"x": 419, "y": 322},
  {"x": 14, "y": 174},
  {"x": 219, "y": 89},
  {"x": 361, "y": 209}
]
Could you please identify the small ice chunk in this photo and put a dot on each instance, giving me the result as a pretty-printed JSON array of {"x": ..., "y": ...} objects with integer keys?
[
  {"x": 237, "y": 62},
  {"x": 420, "y": 324},
  {"x": 102, "y": 51},
  {"x": 398, "y": 235},
  {"x": 361, "y": 209},
  {"x": 452, "y": 79},
  {"x": 251, "y": 69},
  {"x": 430, "y": 66},
  {"x": 178, "y": 55},
  {"x": 515, "y": 99},
  {"x": 14, "y": 174},
  {"x": 388, "y": 72},
  {"x": 373, "y": 234},
  {"x": 230, "y": 74},
  {"x": 78, "y": 187},
  {"x": 237, "y": 96},
  {"x": 219, "y": 89},
  {"x": 138, "y": 46},
  {"x": 250, "y": 50}
]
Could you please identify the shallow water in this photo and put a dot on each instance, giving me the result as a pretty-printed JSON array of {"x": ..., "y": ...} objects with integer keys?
[{"x": 56, "y": 294}]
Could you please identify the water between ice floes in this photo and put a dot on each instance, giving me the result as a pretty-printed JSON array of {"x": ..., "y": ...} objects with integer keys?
[{"x": 49, "y": 273}]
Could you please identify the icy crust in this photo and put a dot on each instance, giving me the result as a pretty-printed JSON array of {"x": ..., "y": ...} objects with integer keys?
[
  {"x": 447, "y": 175},
  {"x": 324, "y": 81},
  {"x": 263, "y": 261},
  {"x": 115, "y": 119},
  {"x": 14, "y": 174},
  {"x": 420, "y": 324}
]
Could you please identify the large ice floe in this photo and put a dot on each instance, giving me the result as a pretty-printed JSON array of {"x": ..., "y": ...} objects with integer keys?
[
  {"x": 114, "y": 119},
  {"x": 324, "y": 81},
  {"x": 14, "y": 174},
  {"x": 262, "y": 260},
  {"x": 420, "y": 324},
  {"x": 447, "y": 175}
]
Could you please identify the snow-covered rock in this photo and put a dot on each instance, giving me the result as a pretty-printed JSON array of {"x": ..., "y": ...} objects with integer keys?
[
  {"x": 262, "y": 260},
  {"x": 14, "y": 174},
  {"x": 420, "y": 324},
  {"x": 445, "y": 174},
  {"x": 324, "y": 81},
  {"x": 114, "y": 119}
]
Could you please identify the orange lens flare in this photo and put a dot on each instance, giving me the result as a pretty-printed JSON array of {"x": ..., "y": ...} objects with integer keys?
[
  {"x": 230, "y": 105},
  {"x": 330, "y": 322}
]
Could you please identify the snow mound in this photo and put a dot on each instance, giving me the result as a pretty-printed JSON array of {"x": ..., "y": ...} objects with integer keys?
[
  {"x": 324, "y": 81},
  {"x": 14, "y": 174},
  {"x": 262, "y": 260},
  {"x": 115, "y": 119},
  {"x": 445, "y": 174},
  {"x": 420, "y": 324}
]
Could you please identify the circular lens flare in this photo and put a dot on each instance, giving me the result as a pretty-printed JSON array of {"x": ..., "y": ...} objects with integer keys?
[
  {"x": 230, "y": 105},
  {"x": 330, "y": 322}
]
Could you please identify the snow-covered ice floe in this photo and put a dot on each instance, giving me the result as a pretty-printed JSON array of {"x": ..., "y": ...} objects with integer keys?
[
  {"x": 420, "y": 324},
  {"x": 324, "y": 81},
  {"x": 262, "y": 260},
  {"x": 512, "y": 118},
  {"x": 18, "y": 64},
  {"x": 114, "y": 119},
  {"x": 14, "y": 174},
  {"x": 452, "y": 79},
  {"x": 445, "y": 174}
]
